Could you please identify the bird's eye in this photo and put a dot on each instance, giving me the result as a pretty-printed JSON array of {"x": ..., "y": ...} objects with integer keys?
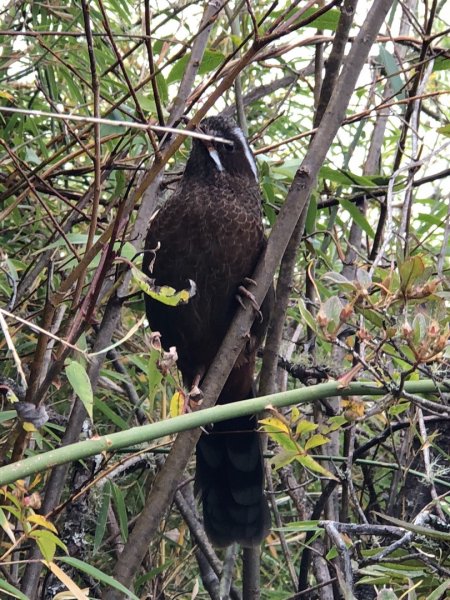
[{"x": 229, "y": 147}]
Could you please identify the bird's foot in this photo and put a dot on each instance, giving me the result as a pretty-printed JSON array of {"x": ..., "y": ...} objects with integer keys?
[
  {"x": 243, "y": 292},
  {"x": 194, "y": 398}
]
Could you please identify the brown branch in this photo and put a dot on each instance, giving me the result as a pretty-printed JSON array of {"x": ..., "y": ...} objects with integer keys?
[
  {"x": 97, "y": 146},
  {"x": 112, "y": 312},
  {"x": 334, "y": 61},
  {"x": 151, "y": 64},
  {"x": 161, "y": 494}
]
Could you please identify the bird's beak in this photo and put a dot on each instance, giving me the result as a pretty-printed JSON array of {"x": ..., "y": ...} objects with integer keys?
[{"x": 214, "y": 155}]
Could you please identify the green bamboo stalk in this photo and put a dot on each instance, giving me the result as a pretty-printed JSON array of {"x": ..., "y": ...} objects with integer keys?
[{"x": 146, "y": 433}]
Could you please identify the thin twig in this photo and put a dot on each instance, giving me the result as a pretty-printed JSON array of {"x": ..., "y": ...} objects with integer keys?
[{"x": 101, "y": 121}]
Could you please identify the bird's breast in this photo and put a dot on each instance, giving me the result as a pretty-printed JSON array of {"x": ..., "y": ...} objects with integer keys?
[{"x": 212, "y": 234}]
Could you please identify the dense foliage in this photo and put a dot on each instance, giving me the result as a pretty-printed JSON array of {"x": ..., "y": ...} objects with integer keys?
[{"x": 359, "y": 483}]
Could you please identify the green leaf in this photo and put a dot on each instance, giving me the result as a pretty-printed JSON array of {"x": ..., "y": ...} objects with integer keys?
[
  {"x": 121, "y": 12},
  {"x": 419, "y": 328},
  {"x": 211, "y": 60},
  {"x": 374, "y": 580},
  {"x": 73, "y": 238},
  {"x": 301, "y": 526},
  {"x": 111, "y": 414},
  {"x": 81, "y": 384},
  {"x": 438, "y": 593},
  {"x": 147, "y": 102},
  {"x": 311, "y": 216},
  {"x": 357, "y": 216},
  {"x": 441, "y": 63},
  {"x": 47, "y": 542},
  {"x": 7, "y": 415},
  {"x": 332, "y": 308},
  {"x": 177, "y": 71},
  {"x": 392, "y": 69},
  {"x": 397, "y": 572},
  {"x": 332, "y": 553},
  {"x": 97, "y": 574},
  {"x": 11, "y": 591},
  {"x": 116, "y": 115},
  {"x": 139, "y": 581},
  {"x": 387, "y": 594},
  {"x": 162, "y": 89},
  {"x": 102, "y": 517},
  {"x": 333, "y": 424},
  {"x": 154, "y": 376},
  {"x": 329, "y": 20},
  {"x": 307, "y": 316},
  {"x": 398, "y": 409},
  {"x": 444, "y": 130},
  {"x": 339, "y": 279},
  {"x": 347, "y": 178},
  {"x": 119, "y": 503},
  {"x": 419, "y": 529},
  {"x": 410, "y": 270}
]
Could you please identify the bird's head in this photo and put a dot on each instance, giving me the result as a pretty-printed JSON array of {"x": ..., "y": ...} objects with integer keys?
[{"x": 232, "y": 157}]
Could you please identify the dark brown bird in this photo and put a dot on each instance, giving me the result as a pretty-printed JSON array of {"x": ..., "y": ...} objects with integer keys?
[{"x": 210, "y": 231}]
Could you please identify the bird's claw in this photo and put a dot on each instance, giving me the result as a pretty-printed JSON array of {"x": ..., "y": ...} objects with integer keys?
[
  {"x": 194, "y": 399},
  {"x": 243, "y": 292}
]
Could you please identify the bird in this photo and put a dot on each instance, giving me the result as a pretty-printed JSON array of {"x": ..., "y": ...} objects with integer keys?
[{"x": 210, "y": 231}]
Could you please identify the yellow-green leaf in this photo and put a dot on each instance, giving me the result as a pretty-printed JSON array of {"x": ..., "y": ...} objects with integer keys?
[
  {"x": 305, "y": 426},
  {"x": 177, "y": 403},
  {"x": 333, "y": 424},
  {"x": 79, "y": 380},
  {"x": 164, "y": 293},
  {"x": 274, "y": 424},
  {"x": 412, "y": 268},
  {"x": 307, "y": 316},
  {"x": 47, "y": 542},
  {"x": 279, "y": 432},
  {"x": 154, "y": 375},
  {"x": 316, "y": 440},
  {"x": 295, "y": 414},
  {"x": 11, "y": 397},
  {"x": 312, "y": 465},
  {"x": 29, "y": 427},
  {"x": 283, "y": 458},
  {"x": 6, "y": 95},
  {"x": 6, "y": 526},
  {"x": 43, "y": 522}
]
